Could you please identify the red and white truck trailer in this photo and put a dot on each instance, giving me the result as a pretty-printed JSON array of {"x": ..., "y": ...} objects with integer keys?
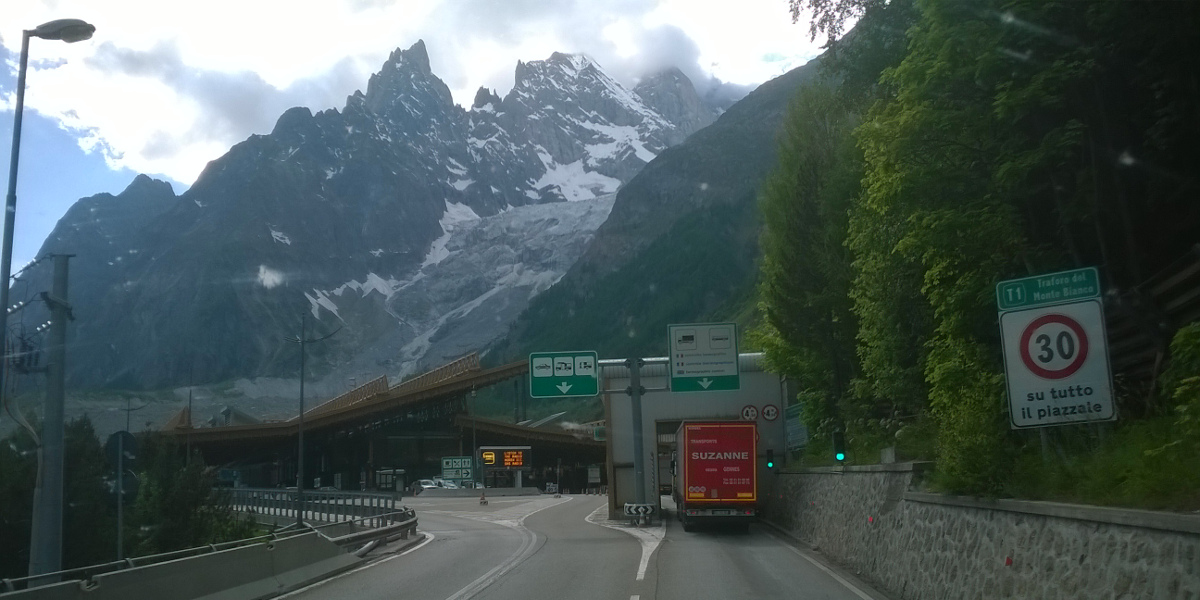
[{"x": 716, "y": 472}]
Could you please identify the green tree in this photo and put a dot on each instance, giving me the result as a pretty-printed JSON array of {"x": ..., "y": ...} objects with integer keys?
[
  {"x": 808, "y": 329},
  {"x": 177, "y": 505},
  {"x": 89, "y": 513},
  {"x": 89, "y": 534},
  {"x": 999, "y": 155},
  {"x": 18, "y": 472}
]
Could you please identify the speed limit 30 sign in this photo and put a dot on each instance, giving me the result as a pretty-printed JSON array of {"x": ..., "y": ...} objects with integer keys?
[{"x": 1056, "y": 365}]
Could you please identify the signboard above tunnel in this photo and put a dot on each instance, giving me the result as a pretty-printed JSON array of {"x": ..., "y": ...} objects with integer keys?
[{"x": 704, "y": 357}]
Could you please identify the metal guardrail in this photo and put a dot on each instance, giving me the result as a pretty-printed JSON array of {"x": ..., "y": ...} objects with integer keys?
[
  {"x": 372, "y": 510},
  {"x": 389, "y": 524}
]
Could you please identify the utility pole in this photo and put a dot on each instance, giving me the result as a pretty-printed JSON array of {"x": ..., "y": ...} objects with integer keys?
[
  {"x": 635, "y": 392},
  {"x": 191, "y": 372},
  {"x": 474, "y": 440},
  {"x": 121, "y": 478},
  {"x": 45, "y": 542},
  {"x": 302, "y": 340}
]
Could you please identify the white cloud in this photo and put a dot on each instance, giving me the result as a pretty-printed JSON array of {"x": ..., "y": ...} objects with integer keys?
[
  {"x": 268, "y": 277},
  {"x": 165, "y": 87}
]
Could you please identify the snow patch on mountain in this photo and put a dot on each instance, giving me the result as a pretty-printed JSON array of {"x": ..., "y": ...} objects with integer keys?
[
  {"x": 320, "y": 299},
  {"x": 501, "y": 261},
  {"x": 576, "y": 183},
  {"x": 620, "y": 139},
  {"x": 455, "y": 216}
]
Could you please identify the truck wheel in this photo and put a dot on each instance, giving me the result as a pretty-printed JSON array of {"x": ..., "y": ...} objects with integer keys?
[{"x": 687, "y": 525}]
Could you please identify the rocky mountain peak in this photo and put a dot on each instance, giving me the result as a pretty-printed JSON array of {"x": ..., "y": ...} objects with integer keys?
[
  {"x": 406, "y": 83},
  {"x": 145, "y": 186},
  {"x": 415, "y": 57},
  {"x": 672, "y": 95},
  {"x": 485, "y": 97}
]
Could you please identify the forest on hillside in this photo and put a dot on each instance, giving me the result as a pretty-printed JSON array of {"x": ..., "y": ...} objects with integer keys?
[{"x": 951, "y": 145}]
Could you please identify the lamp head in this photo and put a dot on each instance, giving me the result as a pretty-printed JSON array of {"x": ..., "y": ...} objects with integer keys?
[{"x": 67, "y": 30}]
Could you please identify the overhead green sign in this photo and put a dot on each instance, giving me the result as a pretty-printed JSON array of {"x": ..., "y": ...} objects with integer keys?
[
  {"x": 704, "y": 357},
  {"x": 563, "y": 374},
  {"x": 1053, "y": 288}
]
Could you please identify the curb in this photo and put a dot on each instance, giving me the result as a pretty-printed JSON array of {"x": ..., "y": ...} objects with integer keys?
[
  {"x": 410, "y": 543},
  {"x": 864, "y": 589}
]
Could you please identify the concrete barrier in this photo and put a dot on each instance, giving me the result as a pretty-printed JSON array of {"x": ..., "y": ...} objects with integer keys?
[
  {"x": 240, "y": 573},
  {"x": 246, "y": 573},
  {"x": 55, "y": 591},
  {"x": 301, "y": 560},
  {"x": 474, "y": 493}
]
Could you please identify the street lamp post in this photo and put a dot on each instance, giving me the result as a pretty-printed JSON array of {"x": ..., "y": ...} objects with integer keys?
[
  {"x": 45, "y": 552},
  {"x": 302, "y": 340}
]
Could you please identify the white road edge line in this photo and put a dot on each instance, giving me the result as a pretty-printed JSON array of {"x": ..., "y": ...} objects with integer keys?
[
  {"x": 648, "y": 541},
  {"x": 842, "y": 580},
  {"x": 428, "y": 538}
]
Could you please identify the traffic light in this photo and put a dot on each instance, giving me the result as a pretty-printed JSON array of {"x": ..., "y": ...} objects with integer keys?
[
  {"x": 839, "y": 446},
  {"x": 770, "y": 459}
]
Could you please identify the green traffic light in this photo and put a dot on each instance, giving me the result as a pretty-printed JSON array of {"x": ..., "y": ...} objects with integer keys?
[
  {"x": 840, "y": 456},
  {"x": 770, "y": 465}
]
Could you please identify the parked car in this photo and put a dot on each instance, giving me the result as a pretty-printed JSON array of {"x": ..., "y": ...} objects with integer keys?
[{"x": 423, "y": 484}]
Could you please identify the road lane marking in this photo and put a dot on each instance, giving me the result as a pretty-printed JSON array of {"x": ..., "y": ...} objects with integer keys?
[
  {"x": 529, "y": 543},
  {"x": 428, "y": 538},
  {"x": 842, "y": 580},
  {"x": 528, "y": 546},
  {"x": 648, "y": 537}
]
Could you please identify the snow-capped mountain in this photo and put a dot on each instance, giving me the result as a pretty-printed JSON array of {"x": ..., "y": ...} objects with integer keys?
[{"x": 417, "y": 226}]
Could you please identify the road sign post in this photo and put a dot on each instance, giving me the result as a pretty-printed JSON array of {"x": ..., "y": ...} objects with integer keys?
[
  {"x": 704, "y": 357},
  {"x": 1055, "y": 350},
  {"x": 563, "y": 374}
]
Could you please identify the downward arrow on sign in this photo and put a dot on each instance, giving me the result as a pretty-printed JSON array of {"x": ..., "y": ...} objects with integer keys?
[
  {"x": 704, "y": 383},
  {"x": 563, "y": 387}
]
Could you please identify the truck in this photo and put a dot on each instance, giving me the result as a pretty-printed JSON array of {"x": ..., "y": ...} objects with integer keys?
[{"x": 715, "y": 473}]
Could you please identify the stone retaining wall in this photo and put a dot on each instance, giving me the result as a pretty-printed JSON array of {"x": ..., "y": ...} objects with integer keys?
[{"x": 916, "y": 545}]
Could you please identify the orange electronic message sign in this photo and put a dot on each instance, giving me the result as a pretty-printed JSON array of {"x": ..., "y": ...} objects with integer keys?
[{"x": 505, "y": 457}]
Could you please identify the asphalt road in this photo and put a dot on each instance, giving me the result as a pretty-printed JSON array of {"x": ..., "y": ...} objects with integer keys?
[{"x": 542, "y": 547}]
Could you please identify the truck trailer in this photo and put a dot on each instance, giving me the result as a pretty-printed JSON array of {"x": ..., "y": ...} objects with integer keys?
[{"x": 715, "y": 473}]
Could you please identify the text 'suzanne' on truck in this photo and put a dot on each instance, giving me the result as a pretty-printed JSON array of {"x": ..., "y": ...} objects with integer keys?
[{"x": 716, "y": 472}]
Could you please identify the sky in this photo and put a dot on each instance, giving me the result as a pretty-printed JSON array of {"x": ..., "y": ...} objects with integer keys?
[{"x": 163, "y": 88}]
